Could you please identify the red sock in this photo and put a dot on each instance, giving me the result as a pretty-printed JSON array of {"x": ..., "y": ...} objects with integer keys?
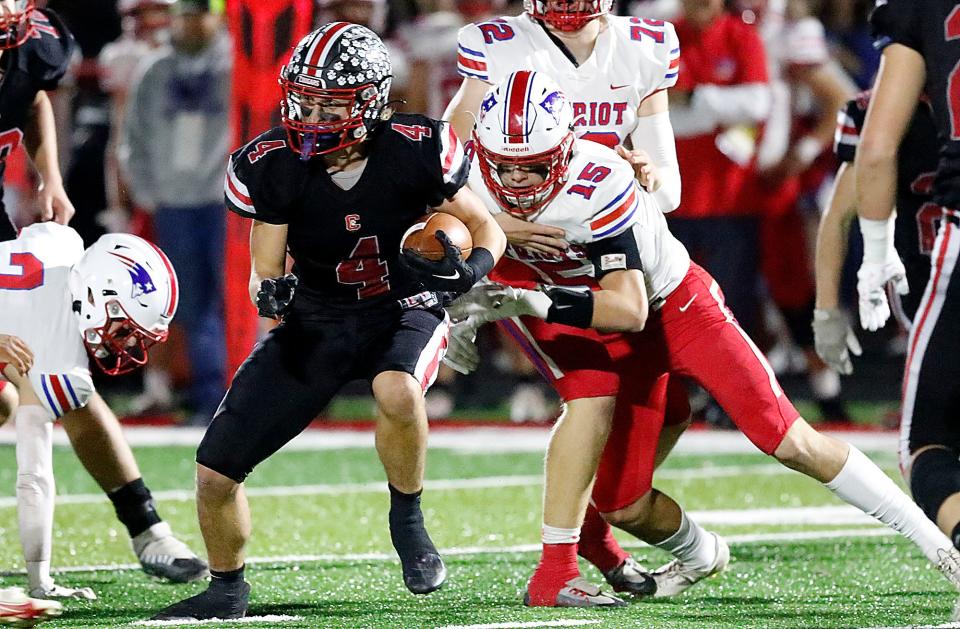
[
  {"x": 558, "y": 564},
  {"x": 597, "y": 544}
]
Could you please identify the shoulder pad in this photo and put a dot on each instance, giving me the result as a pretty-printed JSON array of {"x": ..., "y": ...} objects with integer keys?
[
  {"x": 257, "y": 183},
  {"x": 46, "y": 54},
  {"x": 58, "y": 245}
]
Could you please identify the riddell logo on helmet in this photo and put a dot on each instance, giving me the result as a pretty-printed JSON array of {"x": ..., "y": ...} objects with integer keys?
[
  {"x": 515, "y": 149},
  {"x": 308, "y": 80}
]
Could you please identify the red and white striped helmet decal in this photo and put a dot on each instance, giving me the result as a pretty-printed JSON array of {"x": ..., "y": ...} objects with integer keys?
[
  {"x": 517, "y": 99},
  {"x": 316, "y": 55}
]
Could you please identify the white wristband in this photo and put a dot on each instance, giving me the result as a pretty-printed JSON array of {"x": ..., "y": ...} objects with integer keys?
[{"x": 877, "y": 238}]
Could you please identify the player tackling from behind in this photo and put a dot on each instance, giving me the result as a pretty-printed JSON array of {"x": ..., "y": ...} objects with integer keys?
[
  {"x": 616, "y": 71},
  {"x": 622, "y": 243},
  {"x": 338, "y": 185}
]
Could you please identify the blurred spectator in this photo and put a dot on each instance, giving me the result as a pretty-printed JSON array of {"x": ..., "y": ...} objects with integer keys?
[
  {"x": 175, "y": 143},
  {"x": 721, "y": 96},
  {"x": 792, "y": 161}
]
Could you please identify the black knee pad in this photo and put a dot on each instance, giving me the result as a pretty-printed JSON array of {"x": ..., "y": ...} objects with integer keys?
[{"x": 934, "y": 477}]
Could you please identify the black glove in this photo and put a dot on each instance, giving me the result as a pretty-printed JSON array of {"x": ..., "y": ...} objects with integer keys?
[
  {"x": 276, "y": 295},
  {"x": 450, "y": 273}
]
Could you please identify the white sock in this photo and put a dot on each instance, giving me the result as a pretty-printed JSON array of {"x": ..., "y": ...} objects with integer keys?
[
  {"x": 864, "y": 485},
  {"x": 35, "y": 490},
  {"x": 691, "y": 544},
  {"x": 554, "y": 535}
]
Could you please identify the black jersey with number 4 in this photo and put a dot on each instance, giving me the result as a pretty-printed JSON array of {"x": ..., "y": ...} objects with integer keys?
[
  {"x": 918, "y": 217},
  {"x": 345, "y": 242},
  {"x": 932, "y": 28},
  {"x": 37, "y": 64}
]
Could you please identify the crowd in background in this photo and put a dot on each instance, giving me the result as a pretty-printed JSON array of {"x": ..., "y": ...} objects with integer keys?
[{"x": 145, "y": 135}]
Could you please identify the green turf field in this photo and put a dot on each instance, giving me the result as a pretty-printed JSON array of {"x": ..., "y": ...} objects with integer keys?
[{"x": 322, "y": 556}]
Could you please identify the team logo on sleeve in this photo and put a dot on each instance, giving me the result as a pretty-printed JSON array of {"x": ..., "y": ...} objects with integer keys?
[
  {"x": 488, "y": 104},
  {"x": 142, "y": 282}
]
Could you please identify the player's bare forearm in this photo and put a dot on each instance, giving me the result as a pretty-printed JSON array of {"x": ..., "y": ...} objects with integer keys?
[
  {"x": 268, "y": 254},
  {"x": 621, "y": 305},
  {"x": 831, "y": 91},
  {"x": 41, "y": 140},
  {"x": 468, "y": 207},
  {"x": 832, "y": 237},
  {"x": 543, "y": 238},
  {"x": 462, "y": 110},
  {"x": 899, "y": 84}
]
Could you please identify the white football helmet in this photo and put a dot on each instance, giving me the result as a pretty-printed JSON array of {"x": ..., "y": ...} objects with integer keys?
[
  {"x": 525, "y": 121},
  {"x": 125, "y": 294},
  {"x": 567, "y": 15}
]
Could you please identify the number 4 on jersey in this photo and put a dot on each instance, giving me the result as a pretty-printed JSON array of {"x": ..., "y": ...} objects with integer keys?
[{"x": 364, "y": 267}]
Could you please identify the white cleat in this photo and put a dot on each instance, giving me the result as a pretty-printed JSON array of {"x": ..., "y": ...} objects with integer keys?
[
  {"x": 19, "y": 610},
  {"x": 676, "y": 578},
  {"x": 163, "y": 555},
  {"x": 59, "y": 591}
]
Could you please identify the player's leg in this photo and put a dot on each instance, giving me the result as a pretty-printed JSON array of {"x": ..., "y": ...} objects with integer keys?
[
  {"x": 578, "y": 365},
  {"x": 98, "y": 441},
  {"x": 716, "y": 347},
  {"x": 929, "y": 433},
  {"x": 624, "y": 494},
  {"x": 597, "y": 543},
  {"x": 406, "y": 366},
  {"x": 284, "y": 383}
]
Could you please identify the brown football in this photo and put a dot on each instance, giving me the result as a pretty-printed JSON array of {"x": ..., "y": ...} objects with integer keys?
[{"x": 421, "y": 235}]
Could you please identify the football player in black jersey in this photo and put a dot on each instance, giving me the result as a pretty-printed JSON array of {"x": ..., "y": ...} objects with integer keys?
[
  {"x": 914, "y": 232},
  {"x": 35, "y": 51},
  {"x": 921, "y": 55},
  {"x": 337, "y": 186}
]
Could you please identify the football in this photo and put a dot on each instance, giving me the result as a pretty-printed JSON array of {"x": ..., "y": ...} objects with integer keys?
[{"x": 421, "y": 237}]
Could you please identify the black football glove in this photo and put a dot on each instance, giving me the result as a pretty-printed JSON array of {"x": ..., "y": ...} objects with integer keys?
[
  {"x": 450, "y": 273},
  {"x": 276, "y": 295}
]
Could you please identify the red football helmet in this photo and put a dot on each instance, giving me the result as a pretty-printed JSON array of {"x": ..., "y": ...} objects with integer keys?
[
  {"x": 15, "y": 25},
  {"x": 567, "y": 15},
  {"x": 339, "y": 65}
]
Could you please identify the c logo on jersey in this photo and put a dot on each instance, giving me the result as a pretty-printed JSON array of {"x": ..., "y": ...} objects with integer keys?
[
  {"x": 352, "y": 222},
  {"x": 142, "y": 282}
]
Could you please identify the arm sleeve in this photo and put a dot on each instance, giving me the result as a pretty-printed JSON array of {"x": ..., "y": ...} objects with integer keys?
[
  {"x": 896, "y": 22},
  {"x": 847, "y": 136},
  {"x": 448, "y": 165},
  {"x": 654, "y": 134},
  {"x": 254, "y": 187},
  {"x": 49, "y": 52},
  {"x": 617, "y": 203},
  {"x": 472, "y": 60},
  {"x": 669, "y": 54},
  {"x": 616, "y": 253}
]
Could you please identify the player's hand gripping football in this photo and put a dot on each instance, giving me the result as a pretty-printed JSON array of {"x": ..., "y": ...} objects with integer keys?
[
  {"x": 16, "y": 353},
  {"x": 449, "y": 273},
  {"x": 834, "y": 339},
  {"x": 872, "y": 279},
  {"x": 276, "y": 295}
]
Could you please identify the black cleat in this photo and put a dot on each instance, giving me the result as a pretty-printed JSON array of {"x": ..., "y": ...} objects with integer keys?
[
  {"x": 631, "y": 578},
  {"x": 424, "y": 573},
  {"x": 225, "y": 601}
]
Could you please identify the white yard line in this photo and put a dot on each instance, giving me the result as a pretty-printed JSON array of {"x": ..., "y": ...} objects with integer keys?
[
  {"x": 249, "y": 620},
  {"x": 472, "y": 440},
  {"x": 949, "y": 625},
  {"x": 454, "y": 484},
  {"x": 524, "y": 625},
  {"x": 752, "y": 538}
]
